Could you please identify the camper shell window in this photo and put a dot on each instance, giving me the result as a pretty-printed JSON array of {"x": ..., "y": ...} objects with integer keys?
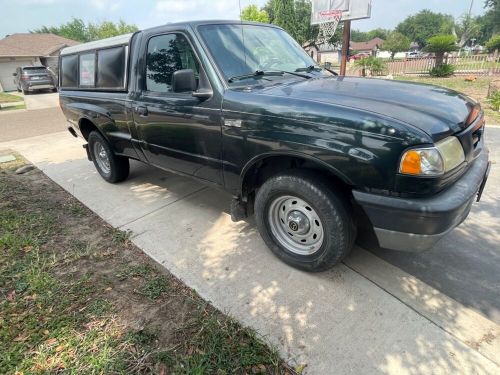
[
  {"x": 99, "y": 69},
  {"x": 111, "y": 68},
  {"x": 69, "y": 71}
]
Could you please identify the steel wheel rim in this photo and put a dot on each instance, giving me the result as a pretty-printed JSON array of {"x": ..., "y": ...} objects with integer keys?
[
  {"x": 101, "y": 157},
  {"x": 296, "y": 225}
]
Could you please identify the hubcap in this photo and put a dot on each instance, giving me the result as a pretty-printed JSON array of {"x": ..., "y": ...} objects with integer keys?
[
  {"x": 296, "y": 225},
  {"x": 102, "y": 158}
]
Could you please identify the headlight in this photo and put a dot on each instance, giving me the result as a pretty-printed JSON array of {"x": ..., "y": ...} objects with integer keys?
[{"x": 433, "y": 161}]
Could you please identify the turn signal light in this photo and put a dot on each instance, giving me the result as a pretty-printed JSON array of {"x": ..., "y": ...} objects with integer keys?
[{"x": 411, "y": 163}]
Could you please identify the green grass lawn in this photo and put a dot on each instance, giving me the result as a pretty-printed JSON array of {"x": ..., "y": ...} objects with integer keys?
[
  {"x": 477, "y": 89},
  {"x": 78, "y": 297},
  {"x": 9, "y": 98},
  {"x": 12, "y": 107}
]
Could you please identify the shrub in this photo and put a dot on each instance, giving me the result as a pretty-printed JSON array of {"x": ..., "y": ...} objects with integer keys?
[
  {"x": 375, "y": 65},
  {"x": 494, "y": 43},
  {"x": 440, "y": 44},
  {"x": 494, "y": 100},
  {"x": 443, "y": 70}
]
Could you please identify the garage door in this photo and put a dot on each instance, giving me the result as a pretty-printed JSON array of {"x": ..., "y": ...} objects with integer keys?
[{"x": 6, "y": 70}]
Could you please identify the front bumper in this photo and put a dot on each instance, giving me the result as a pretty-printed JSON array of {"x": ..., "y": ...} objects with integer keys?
[{"x": 416, "y": 224}]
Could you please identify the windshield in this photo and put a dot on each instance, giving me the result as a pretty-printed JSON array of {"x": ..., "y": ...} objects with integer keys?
[{"x": 241, "y": 50}]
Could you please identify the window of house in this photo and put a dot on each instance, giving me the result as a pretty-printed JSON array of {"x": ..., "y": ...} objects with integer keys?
[{"x": 166, "y": 55}]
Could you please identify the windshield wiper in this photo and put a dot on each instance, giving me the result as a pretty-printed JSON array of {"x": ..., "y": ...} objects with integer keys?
[
  {"x": 257, "y": 73},
  {"x": 312, "y": 68},
  {"x": 309, "y": 68},
  {"x": 262, "y": 73}
]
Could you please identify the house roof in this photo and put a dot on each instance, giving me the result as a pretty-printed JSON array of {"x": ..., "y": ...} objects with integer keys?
[
  {"x": 367, "y": 46},
  {"x": 33, "y": 44}
]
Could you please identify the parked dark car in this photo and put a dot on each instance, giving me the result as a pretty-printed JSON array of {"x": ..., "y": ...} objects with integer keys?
[
  {"x": 318, "y": 158},
  {"x": 34, "y": 78}
]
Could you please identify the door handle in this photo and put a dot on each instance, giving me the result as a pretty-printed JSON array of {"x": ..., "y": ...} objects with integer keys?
[{"x": 141, "y": 111}]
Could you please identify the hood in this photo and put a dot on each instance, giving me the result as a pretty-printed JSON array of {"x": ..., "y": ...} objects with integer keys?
[{"x": 437, "y": 111}]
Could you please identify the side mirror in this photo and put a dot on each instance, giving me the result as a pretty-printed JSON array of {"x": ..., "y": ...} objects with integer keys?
[{"x": 183, "y": 81}]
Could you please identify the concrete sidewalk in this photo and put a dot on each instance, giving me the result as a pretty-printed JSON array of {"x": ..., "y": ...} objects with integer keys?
[{"x": 364, "y": 316}]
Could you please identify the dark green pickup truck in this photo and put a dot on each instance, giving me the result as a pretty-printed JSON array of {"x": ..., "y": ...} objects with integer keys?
[{"x": 319, "y": 158}]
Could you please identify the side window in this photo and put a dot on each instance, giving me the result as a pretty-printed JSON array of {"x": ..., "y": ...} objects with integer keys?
[
  {"x": 87, "y": 69},
  {"x": 69, "y": 71},
  {"x": 167, "y": 54},
  {"x": 111, "y": 68}
]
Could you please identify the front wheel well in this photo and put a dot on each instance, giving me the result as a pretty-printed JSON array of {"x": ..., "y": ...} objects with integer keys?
[{"x": 268, "y": 167}]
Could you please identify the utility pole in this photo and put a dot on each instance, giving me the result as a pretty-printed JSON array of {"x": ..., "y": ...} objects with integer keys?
[{"x": 346, "y": 39}]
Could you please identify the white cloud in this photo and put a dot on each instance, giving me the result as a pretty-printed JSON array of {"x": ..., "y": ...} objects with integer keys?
[
  {"x": 179, "y": 10},
  {"x": 38, "y": 2},
  {"x": 109, "y": 5}
]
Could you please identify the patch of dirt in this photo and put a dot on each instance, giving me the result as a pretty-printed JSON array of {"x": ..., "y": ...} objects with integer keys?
[{"x": 120, "y": 272}]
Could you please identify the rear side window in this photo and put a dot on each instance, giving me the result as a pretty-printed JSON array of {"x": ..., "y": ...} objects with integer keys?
[
  {"x": 69, "y": 71},
  {"x": 87, "y": 70},
  {"x": 167, "y": 54},
  {"x": 111, "y": 68}
]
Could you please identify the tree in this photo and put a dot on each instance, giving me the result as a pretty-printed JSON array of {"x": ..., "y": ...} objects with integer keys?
[
  {"x": 284, "y": 16},
  {"x": 269, "y": 9},
  {"x": 76, "y": 29},
  {"x": 440, "y": 44},
  {"x": 305, "y": 32},
  {"x": 107, "y": 29},
  {"x": 365, "y": 36},
  {"x": 466, "y": 28},
  {"x": 396, "y": 42},
  {"x": 425, "y": 24},
  {"x": 494, "y": 10},
  {"x": 375, "y": 65},
  {"x": 252, "y": 13},
  {"x": 493, "y": 44}
]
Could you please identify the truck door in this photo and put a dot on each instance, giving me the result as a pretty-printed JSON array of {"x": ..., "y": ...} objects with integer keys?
[{"x": 177, "y": 131}]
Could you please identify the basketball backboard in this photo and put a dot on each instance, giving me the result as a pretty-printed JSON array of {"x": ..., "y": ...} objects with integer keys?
[{"x": 351, "y": 9}]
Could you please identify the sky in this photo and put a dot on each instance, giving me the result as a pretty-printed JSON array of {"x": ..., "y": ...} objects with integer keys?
[{"x": 18, "y": 16}]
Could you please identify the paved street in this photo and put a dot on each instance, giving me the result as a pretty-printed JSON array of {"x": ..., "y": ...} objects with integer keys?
[
  {"x": 466, "y": 264},
  {"x": 380, "y": 312},
  {"x": 22, "y": 124}
]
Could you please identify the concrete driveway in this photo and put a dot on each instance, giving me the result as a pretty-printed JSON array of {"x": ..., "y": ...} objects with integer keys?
[
  {"x": 365, "y": 316},
  {"x": 41, "y": 100}
]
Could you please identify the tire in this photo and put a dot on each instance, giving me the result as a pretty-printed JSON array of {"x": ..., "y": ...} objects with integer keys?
[
  {"x": 327, "y": 215},
  {"x": 111, "y": 167}
]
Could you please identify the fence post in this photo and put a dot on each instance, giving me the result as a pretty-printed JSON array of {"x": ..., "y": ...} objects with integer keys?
[{"x": 492, "y": 69}]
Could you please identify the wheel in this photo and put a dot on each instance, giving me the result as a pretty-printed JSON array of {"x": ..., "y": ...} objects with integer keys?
[
  {"x": 304, "y": 221},
  {"x": 111, "y": 167}
]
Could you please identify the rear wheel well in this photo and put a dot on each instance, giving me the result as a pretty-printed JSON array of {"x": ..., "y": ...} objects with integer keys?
[
  {"x": 273, "y": 165},
  {"x": 86, "y": 127}
]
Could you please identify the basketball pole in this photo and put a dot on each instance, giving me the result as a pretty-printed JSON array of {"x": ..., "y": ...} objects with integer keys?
[{"x": 346, "y": 39}]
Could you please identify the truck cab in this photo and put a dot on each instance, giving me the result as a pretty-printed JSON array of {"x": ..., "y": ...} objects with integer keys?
[{"x": 317, "y": 157}]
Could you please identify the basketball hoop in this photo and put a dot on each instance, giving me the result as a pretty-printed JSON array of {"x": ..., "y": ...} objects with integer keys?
[{"x": 328, "y": 20}]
